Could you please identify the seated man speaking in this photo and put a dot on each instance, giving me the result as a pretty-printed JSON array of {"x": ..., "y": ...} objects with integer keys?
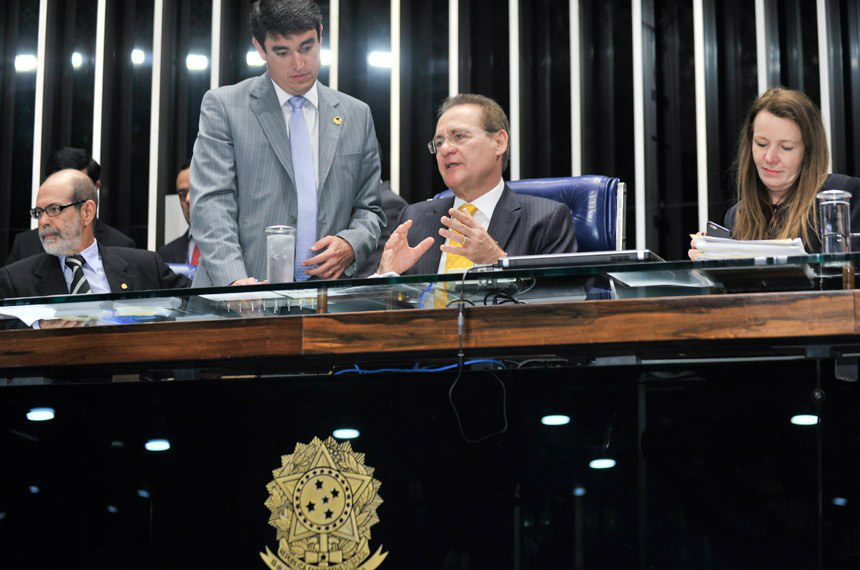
[
  {"x": 485, "y": 220},
  {"x": 74, "y": 262}
]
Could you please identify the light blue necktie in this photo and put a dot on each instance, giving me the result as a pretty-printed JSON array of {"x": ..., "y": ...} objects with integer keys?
[{"x": 306, "y": 187}]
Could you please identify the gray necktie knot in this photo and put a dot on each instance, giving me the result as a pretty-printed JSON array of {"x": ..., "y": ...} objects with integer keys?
[{"x": 297, "y": 102}]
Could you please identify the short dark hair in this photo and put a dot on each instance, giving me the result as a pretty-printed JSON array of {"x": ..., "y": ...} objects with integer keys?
[
  {"x": 284, "y": 18},
  {"x": 493, "y": 117},
  {"x": 74, "y": 158}
]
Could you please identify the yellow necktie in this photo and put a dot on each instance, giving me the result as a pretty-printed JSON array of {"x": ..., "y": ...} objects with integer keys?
[{"x": 454, "y": 262}]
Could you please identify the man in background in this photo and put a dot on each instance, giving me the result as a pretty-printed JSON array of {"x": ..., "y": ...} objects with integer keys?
[
  {"x": 73, "y": 260},
  {"x": 283, "y": 149},
  {"x": 27, "y": 243},
  {"x": 183, "y": 249}
]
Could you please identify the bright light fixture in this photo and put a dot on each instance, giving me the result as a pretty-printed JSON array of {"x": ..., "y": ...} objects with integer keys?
[
  {"x": 26, "y": 63},
  {"x": 137, "y": 56},
  {"x": 603, "y": 463},
  {"x": 157, "y": 445},
  {"x": 77, "y": 60},
  {"x": 34, "y": 489},
  {"x": 40, "y": 414},
  {"x": 840, "y": 501},
  {"x": 804, "y": 420},
  {"x": 555, "y": 420},
  {"x": 345, "y": 433},
  {"x": 326, "y": 57},
  {"x": 112, "y": 509},
  {"x": 196, "y": 62},
  {"x": 380, "y": 59},
  {"x": 253, "y": 59},
  {"x": 143, "y": 493},
  {"x": 579, "y": 491}
]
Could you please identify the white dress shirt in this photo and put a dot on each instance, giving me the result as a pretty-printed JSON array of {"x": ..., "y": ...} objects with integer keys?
[
  {"x": 310, "y": 110},
  {"x": 485, "y": 205},
  {"x": 94, "y": 269}
]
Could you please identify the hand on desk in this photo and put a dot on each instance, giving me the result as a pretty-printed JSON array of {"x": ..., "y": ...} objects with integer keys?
[
  {"x": 693, "y": 253},
  {"x": 478, "y": 246},
  {"x": 397, "y": 256},
  {"x": 336, "y": 256}
]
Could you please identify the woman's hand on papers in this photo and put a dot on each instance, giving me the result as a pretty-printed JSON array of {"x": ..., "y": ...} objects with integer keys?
[{"x": 693, "y": 252}]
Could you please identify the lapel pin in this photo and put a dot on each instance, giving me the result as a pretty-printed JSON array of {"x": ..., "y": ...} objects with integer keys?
[
  {"x": 337, "y": 121},
  {"x": 124, "y": 286}
]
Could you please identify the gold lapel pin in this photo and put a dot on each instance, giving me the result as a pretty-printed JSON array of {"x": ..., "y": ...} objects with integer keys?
[
  {"x": 124, "y": 286},
  {"x": 337, "y": 121}
]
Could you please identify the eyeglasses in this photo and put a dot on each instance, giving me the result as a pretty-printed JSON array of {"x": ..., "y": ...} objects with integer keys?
[
  {"x": 455, "y": 138},
  {"x": 52, "y": 210}
]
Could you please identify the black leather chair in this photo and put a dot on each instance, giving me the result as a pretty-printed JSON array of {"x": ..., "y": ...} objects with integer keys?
[{"x": 596, "y": 204}]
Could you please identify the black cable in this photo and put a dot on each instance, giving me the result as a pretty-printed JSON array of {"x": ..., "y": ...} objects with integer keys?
[{"x": 461, "y": 320}]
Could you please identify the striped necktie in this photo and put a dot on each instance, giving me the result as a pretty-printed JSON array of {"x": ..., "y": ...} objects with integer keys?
[
  {"x": 454, "y": 262},
  {"x": 79, "y": 283},
  {"x": 306, "y": 187}
]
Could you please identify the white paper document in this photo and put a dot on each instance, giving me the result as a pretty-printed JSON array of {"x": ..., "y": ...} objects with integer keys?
[{"x": 726, "y": 248}]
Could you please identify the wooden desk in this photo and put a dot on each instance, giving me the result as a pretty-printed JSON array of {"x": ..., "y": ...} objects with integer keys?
[{"x": 589, "y": 327}]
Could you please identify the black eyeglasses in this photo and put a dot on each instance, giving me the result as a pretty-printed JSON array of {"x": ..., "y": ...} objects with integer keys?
[{"x": 52, "y": 210}]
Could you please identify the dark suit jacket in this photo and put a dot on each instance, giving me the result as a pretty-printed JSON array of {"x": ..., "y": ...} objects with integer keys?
[
  {"x": 392, "y": 205},
  {"x": 41, "y": 274},
  {"x": 521, "y": 225},
  {"x": 28, "y": 243},
  {"x": 175, "y": 251},
  {"x": 833, "y": 182}
]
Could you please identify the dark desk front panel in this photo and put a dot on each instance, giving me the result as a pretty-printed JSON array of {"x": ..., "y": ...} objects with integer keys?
[{"x": 709, "y": 473}]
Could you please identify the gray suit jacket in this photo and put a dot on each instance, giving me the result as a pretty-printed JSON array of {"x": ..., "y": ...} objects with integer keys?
[
  {"x": 521, "y": 225},
  {"x": 242, "y": 178}
]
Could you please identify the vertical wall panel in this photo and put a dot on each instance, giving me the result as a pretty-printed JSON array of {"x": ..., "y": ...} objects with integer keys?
[
  {"x": 425, "y": 80},
  {"x": 545, "y": 89}
]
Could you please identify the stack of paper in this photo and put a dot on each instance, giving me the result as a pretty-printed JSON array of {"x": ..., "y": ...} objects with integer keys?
[{"x": 725, "y": 248}]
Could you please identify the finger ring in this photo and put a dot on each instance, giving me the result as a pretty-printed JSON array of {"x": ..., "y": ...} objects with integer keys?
[{"x": 465, "y": 241}]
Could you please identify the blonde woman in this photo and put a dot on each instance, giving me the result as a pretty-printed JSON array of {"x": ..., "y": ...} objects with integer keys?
[{"x": 781, "y": 165}]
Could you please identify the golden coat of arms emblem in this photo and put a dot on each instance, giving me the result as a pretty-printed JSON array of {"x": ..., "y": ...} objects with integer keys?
[{"x": 323, "y": 501}]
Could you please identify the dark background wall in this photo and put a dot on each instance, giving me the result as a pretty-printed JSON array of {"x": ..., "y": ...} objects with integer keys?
[{"x": 606, "y": 61}]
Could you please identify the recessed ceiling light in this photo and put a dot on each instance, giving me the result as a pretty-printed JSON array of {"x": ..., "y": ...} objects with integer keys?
[
  {"x": 137, "y": 56},
  {"x": 157, "y": 445},
  {"x": 345, "y": 433},
  {"x": 555, "y": 420},
  {"x": 26, "y": 63},
  {"x": 804, "y": 420},
  {"x": 196, "y": 62},
  {"x": 602, "y": 463},
  {"x": 40, "y": 414}
]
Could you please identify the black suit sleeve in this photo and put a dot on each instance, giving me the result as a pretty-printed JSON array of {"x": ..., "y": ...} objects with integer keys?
[
  {"x": 167, "y": 278},
  {"x": 6, "y": 289},
  {"x": 15, "y": 254}
]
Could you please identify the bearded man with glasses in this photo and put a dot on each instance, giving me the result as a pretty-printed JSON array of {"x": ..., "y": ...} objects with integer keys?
[
  {"x": 485, "y": 220},
  {"x": 74, "y": 262}
]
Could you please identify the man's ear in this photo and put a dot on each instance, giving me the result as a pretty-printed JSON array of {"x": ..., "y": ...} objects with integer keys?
[
  {"x": 88, "y": 212},
  {"x": 501, "y": 139}
]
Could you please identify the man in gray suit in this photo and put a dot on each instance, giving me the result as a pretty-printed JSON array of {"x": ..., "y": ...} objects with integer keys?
[
  {"x": 283, "y": 149},
  {"x": 485, "y": 220}
]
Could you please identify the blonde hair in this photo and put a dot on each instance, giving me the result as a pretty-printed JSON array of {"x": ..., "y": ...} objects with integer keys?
[{"x": 754, "y": 218}]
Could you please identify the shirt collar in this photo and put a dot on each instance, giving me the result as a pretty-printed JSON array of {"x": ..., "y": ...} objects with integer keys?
[
  {"x": 487, "y": 202},
  {"x": 312, "y": 95},
  {"x": 91, "y": 255}
]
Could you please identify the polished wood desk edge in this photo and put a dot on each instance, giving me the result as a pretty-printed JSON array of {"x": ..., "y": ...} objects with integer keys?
[{"x": 801, "y": 315}]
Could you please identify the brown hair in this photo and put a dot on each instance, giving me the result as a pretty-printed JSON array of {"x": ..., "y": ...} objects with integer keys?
[
  {"x": 493, "y": 118},
  {"x": 755, "y": 218}
]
